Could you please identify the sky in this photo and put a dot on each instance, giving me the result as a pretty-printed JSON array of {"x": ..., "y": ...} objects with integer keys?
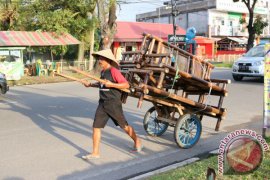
[{"x": 127, "y": 12}]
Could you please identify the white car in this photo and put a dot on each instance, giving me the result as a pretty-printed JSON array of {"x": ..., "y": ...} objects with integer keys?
[{"x": 250, "y": 65}]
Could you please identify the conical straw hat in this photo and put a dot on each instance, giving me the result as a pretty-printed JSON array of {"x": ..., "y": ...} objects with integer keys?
[{"x": 107, "y": 53}]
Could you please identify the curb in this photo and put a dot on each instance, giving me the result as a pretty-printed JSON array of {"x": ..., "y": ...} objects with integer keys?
[
  {"x": 214, "y": 152},
  {"x": 165, "y": 169},
  {"x": 172, "y": 166}
]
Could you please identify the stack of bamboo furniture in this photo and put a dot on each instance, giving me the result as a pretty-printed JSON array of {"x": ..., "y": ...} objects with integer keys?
[{"x": 175, "y": 81}]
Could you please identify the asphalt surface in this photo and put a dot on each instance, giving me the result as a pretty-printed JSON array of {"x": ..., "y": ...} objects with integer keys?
[{"x": 44, "y": 130}]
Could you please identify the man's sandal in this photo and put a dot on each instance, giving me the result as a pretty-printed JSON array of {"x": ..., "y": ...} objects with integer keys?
[{"x": 90, "y": 157}]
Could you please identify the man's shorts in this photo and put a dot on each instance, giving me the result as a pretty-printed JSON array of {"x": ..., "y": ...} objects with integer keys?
[{"x": 109, "y": 109}]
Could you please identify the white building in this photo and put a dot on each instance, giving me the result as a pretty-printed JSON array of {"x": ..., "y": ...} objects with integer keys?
[{"x": 209, "y": 17}]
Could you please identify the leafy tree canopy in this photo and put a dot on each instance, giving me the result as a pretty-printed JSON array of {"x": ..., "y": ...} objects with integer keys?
[
  {"x": 59, "y": 16},
  {"x": 254, "y": 26}
]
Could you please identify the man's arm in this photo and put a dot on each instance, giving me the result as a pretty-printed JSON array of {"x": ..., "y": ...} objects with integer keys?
[
  {"x": 89, "y": 84},
  {"x": 123, "y": 85},
  {"x": 96, "y": 84}
]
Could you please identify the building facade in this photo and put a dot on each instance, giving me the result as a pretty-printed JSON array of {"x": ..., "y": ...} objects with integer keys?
[
  {"x": 129, "y": 35},
  {"x": 209, "y": 17}
]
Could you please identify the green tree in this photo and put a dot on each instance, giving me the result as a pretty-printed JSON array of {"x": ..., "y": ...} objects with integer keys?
[
  {"x": 254, "y": 27},
  {"x": 107, "y": 22},
  {"x": 259, "y": 25},
  {"x": 59, "y": 16},
  {"x": 9, "y": 14}
]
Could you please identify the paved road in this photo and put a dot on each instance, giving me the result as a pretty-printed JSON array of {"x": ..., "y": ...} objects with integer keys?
[{"x": 46, "y": 128}]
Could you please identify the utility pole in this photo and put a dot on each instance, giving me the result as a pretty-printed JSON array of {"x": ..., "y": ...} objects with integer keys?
[
  {"x": 173, "y": 19},
  {"x": 174, "y": 12}
]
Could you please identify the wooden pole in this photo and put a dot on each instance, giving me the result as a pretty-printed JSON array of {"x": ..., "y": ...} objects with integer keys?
[
  {"x": 182, "y": 99},
  {"x": 69, "y": 77},
  {"x": 94, "y": 78}
]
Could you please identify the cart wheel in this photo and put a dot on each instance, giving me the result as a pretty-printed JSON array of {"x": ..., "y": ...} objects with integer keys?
[
  {"x": 152, "y": 126},
  {"x": 187, "y": 131}
]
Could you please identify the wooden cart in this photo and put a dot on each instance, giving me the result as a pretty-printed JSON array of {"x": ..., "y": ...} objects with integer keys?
[{"x": 167, "y": 76}]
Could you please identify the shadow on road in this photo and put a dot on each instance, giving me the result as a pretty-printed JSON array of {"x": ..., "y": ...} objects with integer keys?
[
  {"x": 66, "y": 112},
  {"x": 54, "y": 114}
]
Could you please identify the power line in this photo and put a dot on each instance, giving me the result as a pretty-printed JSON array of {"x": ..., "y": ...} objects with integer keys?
[{"x": 141, "y": 2}]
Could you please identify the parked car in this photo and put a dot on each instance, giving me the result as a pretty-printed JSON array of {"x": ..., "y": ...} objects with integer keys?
[
  {"x": 3, "y": 83},
  {"x": 250, "y": 65}
]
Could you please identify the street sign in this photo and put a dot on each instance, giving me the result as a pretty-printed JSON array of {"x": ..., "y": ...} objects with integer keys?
[{"x": 177, "y": 38}]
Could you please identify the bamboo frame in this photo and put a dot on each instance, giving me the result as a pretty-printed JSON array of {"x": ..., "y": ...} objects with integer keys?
[{"x": 156, "y": 71}]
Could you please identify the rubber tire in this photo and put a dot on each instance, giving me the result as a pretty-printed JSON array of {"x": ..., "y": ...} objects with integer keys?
[
  {"x": 261, "y": 79},
  {"x": 237, "y": 77},
  {"x": 2, "y": 90},
  {"x": 146, "y": 122},
  {"x": 181, "y": 121}
]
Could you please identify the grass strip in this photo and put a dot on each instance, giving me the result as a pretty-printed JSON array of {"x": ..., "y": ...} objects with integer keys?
[{"x": 198, "y": 170}]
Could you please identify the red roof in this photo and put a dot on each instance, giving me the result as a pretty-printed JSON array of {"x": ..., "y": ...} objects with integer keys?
[
  {"x": 203, "y": 40},
  {"x": 132, "y": 31},
  {"x": 25, "y": 38}
]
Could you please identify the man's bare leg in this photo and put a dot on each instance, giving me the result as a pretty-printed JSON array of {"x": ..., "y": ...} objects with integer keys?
[
  {"x": 130, "y": 131},
  {"x": 96, "y": 141}
]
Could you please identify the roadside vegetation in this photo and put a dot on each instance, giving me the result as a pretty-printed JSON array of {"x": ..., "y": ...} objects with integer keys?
[
  {"x": 198, "y": 170},
  {"x": 93, "y": 22},
  {"x": 27, "y": 80},
  {"x": 225, "y": 65}
]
